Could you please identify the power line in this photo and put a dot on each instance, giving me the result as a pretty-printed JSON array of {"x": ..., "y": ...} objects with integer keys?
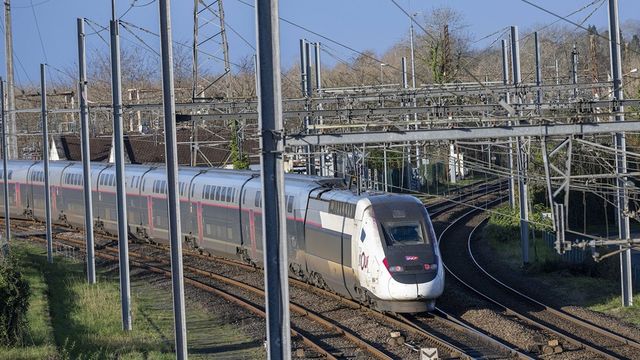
[{"x": 35, "y": 17}]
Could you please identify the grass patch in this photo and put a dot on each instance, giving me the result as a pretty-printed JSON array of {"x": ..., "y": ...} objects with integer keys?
[
  {"x": 70, "y": 319},
  {"x": 39, "y": 342}
]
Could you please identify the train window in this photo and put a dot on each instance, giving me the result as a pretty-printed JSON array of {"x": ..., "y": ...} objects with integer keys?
[
  {"x": 218, "y": 192},
  {"x": 229, "y": 194},
  {"x": 204, "y": 189},
  {"x": 405, "y": 233},
  {"x": 223, "y": 193},
  {"x": 233, "y": 196},
  {"x": 244, "y": 196},
  {"x": 193, "y": 189},
  {"x": 144, "y": 183},
  {"x": 258, "y": 200},
  {"x": 290, "y": 204}
]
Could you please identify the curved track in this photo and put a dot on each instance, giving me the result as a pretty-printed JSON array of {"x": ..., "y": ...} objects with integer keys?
[
  {"x": 596, "y": 331},
  {"x": 461, "y": 266}
]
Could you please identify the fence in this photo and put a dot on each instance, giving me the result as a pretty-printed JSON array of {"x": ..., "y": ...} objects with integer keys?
[{"x": 579, "y": 256}]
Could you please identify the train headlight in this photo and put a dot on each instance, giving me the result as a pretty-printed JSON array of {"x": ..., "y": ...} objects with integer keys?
[
  {"x": 431, "y": 266},
  {"x": 392, "y": 269}
]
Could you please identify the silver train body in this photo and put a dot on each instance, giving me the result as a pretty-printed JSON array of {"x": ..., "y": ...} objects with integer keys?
[{"x": 379, "y": 249}]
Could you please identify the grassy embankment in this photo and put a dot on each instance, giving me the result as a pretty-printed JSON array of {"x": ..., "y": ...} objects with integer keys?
[
  {"x": 69, "y": 319},
  {"x": 591, "y": 285}
]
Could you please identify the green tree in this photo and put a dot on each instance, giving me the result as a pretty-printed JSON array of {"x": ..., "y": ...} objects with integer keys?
[{"x": 239, "y": 158}]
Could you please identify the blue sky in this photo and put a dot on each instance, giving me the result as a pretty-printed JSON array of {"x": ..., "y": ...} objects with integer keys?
[{"x": 361, "y": 24}]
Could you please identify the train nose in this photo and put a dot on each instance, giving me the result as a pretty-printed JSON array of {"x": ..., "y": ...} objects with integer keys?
[{"x": 399, "y": 291}]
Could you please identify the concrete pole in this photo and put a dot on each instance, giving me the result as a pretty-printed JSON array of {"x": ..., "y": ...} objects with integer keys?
[
  {"x": 11, "y": 100},
  {"x": 86, "y": 153},
  {"x": 621, "y": 156},
  {"x": 121, "y": 196},
  {"x": 505, "y": 81},
  {"x": 272, "y": 176},
  {"x": 522, "y": 157},
  {"x": 45, "y": 159},
  {"x": 7, "y": 214},
  {"x": 173, "y": 202},
  {"x": 538, "y": 70}
]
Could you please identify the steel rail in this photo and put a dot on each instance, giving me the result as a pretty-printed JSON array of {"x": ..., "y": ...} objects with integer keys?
[
  {"x": 562, "y": 314},
  {"x": 567, "y": 337}
]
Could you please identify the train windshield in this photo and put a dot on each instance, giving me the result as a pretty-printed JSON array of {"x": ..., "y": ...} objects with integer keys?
[
  {"x": 402, "y": 222},
  {"x": 403, "y": 233}
]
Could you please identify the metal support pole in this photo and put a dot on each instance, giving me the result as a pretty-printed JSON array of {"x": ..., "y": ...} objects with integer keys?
[
  {"x": 386, "y": 170},
  {"x": 621, "y": 156},
  {"x": 318, "y": 72},
  {"x": 413, "y": 86},
  {"x": 522, "y": 158},
  {"x": 272, "y": 144},
  {"x": 303, "y": 68},
  {"x": 405, "y": 82},
  {"x": 309, "y": 91},
  {"x": 505, "y": 81},
  {"x": 574, "y": 70},
  {"x": 86, "y": 153},
  {"x": 121, "y": 196},
  {"x": 11, "y": 100},
  {"x": 538, "y": 70},
  {"x": 307, "y": 56},
  {"x": 171, "y": 151},
  {"x": 194, "y": 65},
  {"x": 45, "y": 159},
  {"x": 317, "y": 65},
  {"x": 7, "y": 213}
]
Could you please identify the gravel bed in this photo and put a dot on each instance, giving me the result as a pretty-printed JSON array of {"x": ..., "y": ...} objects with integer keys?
[
  {"x": 456, "y": 257},
  {"x": 531, "y": 286}
]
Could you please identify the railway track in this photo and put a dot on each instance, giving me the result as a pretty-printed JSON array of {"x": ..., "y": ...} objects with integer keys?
[
  {"x": 596, "y": 331},
  {"x": 570, "y": 333},
  {"x": 453, "y": 339}
]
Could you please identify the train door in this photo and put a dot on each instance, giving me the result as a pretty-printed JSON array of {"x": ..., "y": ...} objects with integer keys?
[{"x": 28, "y": 193}]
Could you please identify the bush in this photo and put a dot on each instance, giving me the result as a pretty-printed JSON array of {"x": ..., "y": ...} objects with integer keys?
[
  {"x": 14, "y": 302},
  {"x": 503, "y": 225}
]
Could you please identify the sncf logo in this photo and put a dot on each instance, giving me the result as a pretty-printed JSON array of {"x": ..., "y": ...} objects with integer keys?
[{"x": 411, "y": 258}]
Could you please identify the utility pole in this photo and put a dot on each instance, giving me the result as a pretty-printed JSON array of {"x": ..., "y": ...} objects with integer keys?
[
  {"x": 272, "y": 177},
  {"x": 621, "y": 155},
  {"x": 86, "y": 153},
  {"x": 121, "y": 196},
  {"x": 522, "y": 157},
  {"x": 171, "y": 151},
  {"x": 7, "y": 213},
  {"x": 45, "y": 159},
  {"x": 538, "y": 70},
  {"x": 11, "y": 99},
  {"x": 505, "y": 81}
]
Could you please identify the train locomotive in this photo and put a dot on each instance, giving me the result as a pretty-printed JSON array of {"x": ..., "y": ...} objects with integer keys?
[{"x": 376, "y": 248}]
